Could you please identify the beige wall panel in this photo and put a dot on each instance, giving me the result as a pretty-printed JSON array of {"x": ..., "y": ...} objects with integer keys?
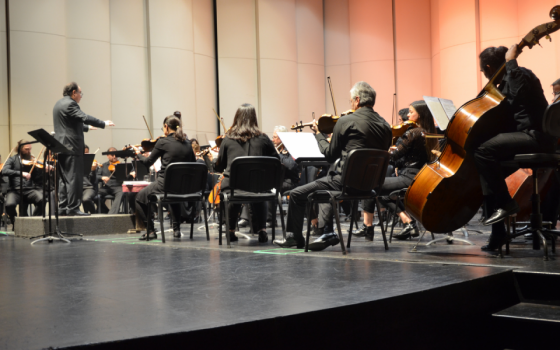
[
  {"x": 87, "y": 19},
  {"x": 413, "y": 29},
  {"x": 279, "y": 93},
  {"x": 40, "y": 59},
  {"x": 45, "y": 16},
  {"x": 4, "y": 142},
  {"x": 205, "y": 94},
  {"x": 277, "y": 29},
  {"x": 203, "y": 21},
  {"x": 467, "y": 89},
  {"x": 418, "y": 73},
  {"x": 342, "y": 83},
  {"x": 238, "y": 85},
  {"x": 377, "y": 75},
  {"x": 3, "y": 80},
  {"x": 20, "y": 132},
  {"x": 456, "y": 23},
  {"x": 436, "y": 76},
  {"x": 171, "y": 24},
  {"x": 173, "y": 85},
  {"x": 311, "y": 84},
  {"x": 336, "y": 32},
  {"x": 434, "y": 20},
  {"x": 102, "y": 139},
  {"x": 128, "y": 22},
  {"x": 310, "y": 38},
  {"x": 129, "y": 87},
  {"x": 498, "y": 19},
  {"x": 236, "y": 29},
  {"x": 371, "y": 30},
  {"x": 89, "y": 64},
  {"x": 123, "y": 137}
]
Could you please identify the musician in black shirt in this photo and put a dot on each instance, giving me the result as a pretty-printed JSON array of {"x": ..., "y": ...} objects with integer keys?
[
  {"x": 173, "y": 148},
  {"x": 110, "y": 184},
  {"x": 90, "y": 188},
  {"x": 363, "y": 129},
  {"x": 525, "y": 103}
]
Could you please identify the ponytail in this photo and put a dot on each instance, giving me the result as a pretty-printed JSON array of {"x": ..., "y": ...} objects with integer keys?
[{"x": 174, "y": 124}]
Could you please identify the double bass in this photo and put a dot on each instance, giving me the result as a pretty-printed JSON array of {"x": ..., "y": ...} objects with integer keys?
[{"x": 447, "y": 193}]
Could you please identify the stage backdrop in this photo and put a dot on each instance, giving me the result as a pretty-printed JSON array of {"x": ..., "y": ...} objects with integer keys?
[{"x": 153, "y": 57}]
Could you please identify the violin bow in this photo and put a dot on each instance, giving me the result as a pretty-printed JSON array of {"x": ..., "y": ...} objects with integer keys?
[
  {"x": 220, "y": 120},
  {"x": 36, "y": 160},
  {"x": 332, "y": 95},
  {"x": 98, "y": 148},
  {"x": 150, "y": 131}
]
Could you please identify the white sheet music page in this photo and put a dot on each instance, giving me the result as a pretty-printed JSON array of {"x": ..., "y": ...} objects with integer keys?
[
  {"x": 448, "y": 107},
  {"x": 301, "y": 144},
  {"x": 437, "y": 109}
]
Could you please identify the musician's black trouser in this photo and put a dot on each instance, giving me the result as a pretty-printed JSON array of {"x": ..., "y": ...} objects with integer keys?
[
  {"x": 34, "y": 196},
  {"x": 70, "y": 188},
  {"x": 114, "y": 191},
  {"x": 88, "y": 200}
]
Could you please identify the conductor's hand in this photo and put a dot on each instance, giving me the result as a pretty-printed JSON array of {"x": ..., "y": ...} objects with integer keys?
[
  {"x": 27, "y": 176},
  {"x": 136, "y": 150},
  {"x": 512, "y": 53},
  {"x": 92, "y": 127},
  {"x": 314, "y": 127},
  {"x": 109, "y": 123},
  {"x": 105, "y": 179}
]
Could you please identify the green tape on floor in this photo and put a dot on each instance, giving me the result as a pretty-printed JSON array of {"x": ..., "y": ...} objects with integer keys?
[{"x": 279, "y": 251}]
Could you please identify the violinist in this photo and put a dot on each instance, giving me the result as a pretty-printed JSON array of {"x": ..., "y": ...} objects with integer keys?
[
  {"x": 90, "y": 188},
  {"x": 526, "y": 103},
  {"x": 402, "y": 115},
  {"x": 32, "y": 184},
  {"x": 173, "y": 148},
  {"x": 410, "y": 154},
  {"x": 110, "y": 185},
  {"x": 555, "y": 90},
  {"x": 365, "y": 128}
]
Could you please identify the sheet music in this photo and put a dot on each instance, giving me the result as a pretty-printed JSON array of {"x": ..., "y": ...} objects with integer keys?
[
  {"x": 301, "y": 144},
  {"x": 441, "y": 109}
]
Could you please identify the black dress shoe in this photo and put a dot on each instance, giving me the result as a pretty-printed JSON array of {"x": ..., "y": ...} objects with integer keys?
[
  {"x": 369, "y": 233},
  {"x": 243, "y": 223},
  {"x": 233, "y": 237},
  {"x": 316, "y": 231},
  {"x": 289, "y": 242},
  {"x": 495, "y": 242},
  {"x": 408, "y": 231},
  {"x": 502, "y": 213},
  {"x": 269, "y": 224},
  {"x": 62, "y": 213},
  {"x": 177, "y": 234},
  {"x": 77, "y": 213},
  {"x": 324, "y": 241},
  {"x": 153, "y": 235},
  {"x": 361, "y": 232},
  {"x": 263, "y": 237}
]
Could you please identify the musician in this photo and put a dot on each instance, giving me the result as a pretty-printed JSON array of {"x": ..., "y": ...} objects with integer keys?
[
  {"x": 403, "y": 116},
  {"x": 526, "y": 104},
  {"x": 410, "y": 154},
  {"x": 244, "y": 139},
  {"x": 365, "y": 128},
  {"x": 110, "y": 186},
  {"x": 32, "y": 184},
  {"x": 90, "y": 188},
  {"x": 69, "y": 126},
  {"x": 173, "y": 148},
  {"x": 555, "y": 90}
]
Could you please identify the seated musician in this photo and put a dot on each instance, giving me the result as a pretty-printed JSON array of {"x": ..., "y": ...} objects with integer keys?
[
  {"x": 244, "y": 139},
  {"x": 409, "y": 155},
  {"x": 526, "y": 103},
  {"x": 173, "y": 148},
  {"x": 110, "y": 184},
  {"x": 32, "y": 184},
  {"x": 365, "y": 128},
  {"x": 90, "y": 188},
  {"x": 403, "y": 116}
]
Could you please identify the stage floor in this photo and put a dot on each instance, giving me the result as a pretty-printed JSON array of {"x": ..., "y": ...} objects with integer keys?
[{"x": 111, "y": 288}]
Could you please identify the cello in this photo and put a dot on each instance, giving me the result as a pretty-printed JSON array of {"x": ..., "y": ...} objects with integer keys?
[{"x": 447, "y": 193}]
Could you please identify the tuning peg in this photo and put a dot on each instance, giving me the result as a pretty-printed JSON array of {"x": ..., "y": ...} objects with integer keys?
[{"x": 548, "y": 37}]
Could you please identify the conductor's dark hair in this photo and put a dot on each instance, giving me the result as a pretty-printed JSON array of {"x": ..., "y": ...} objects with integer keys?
[
  {"x": 556, "y": 82},
  {"x": 245, "y": 125},
  {"x": 492, "y": 56},
  {"x": 68, "y": 89},
  {"x": 174, "y": 124},
  {"x": 404, "y": 114}
]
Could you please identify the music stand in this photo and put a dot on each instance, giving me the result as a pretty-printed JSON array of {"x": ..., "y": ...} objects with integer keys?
[{"x": 54, "y": 147}]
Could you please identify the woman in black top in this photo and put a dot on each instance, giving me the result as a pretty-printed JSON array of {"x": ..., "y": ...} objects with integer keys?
[
  {"x": 411, "y": 153},
  {"x": 173, "y": 148},
  {"x": 244, "y": 139}
]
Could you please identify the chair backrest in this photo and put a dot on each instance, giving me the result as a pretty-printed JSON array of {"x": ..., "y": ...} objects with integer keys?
[
  {"x": 185, "y": 178},
  {"x": 255, "y": 174},
  {"x": 364, "y": 169},
  {"x": 551, "y": 120}
]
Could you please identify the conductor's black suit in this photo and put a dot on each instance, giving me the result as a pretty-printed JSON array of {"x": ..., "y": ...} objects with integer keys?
[{"x": 69, "y": 126}]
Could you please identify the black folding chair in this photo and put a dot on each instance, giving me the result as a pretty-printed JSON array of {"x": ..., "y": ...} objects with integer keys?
[
  {"x": 256, "y": 177},
  {"x": 362, "y": 174},
  {"x": 182, "y": 182}
]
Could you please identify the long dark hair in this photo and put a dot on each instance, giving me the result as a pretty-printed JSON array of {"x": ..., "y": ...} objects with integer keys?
[
  {"x": 492, "y": 56},
  {"x": 245, "y": 125},
  {"x": 426, "y": 122},
  {"x": 174, "y": 124}
]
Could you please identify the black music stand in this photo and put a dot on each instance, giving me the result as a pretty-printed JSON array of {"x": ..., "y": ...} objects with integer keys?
[{"x": 54, "y": 147}]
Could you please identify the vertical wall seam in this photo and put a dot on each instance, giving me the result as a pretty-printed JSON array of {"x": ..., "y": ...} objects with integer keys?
[
  {"x": 8, "y": 74},
  {"x": 149, "y": 54},
  {"x": 325, "y": 54},
  {"x": 217, "y": 64},
  {"x": 111, "y": 69},
  {"x": 477, "y": 46},
  {"x": 259, "y": 115},
  {"x": 194, "y": 74},
  {"x": 395, "y": 58}
]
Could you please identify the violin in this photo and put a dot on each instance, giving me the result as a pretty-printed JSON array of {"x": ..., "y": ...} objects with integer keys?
[
  {"x": 207, "y": 150},
  {"x": 146, "y": 144},
  {"x": 94, "y": 165},
  {"x": 281, "y": 149},
  {"x": 447, "y": 193},
  {"x": 111, "y": 166},
  {"x": 399, "y": 130},
  {"x": 325, "y": 124},
  {"x": 214, "y": 196}
]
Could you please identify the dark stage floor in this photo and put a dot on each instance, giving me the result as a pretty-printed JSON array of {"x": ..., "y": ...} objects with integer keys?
[{"x": 105, "y": 289}]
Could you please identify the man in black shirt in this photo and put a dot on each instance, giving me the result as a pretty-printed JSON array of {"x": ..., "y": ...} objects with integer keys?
[
  {"x": 525, "y": 104},
  {"x": 110, "y": 185},
  {"x": 362, "y": 129}
]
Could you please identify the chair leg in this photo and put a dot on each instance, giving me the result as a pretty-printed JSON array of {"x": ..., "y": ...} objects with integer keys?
[
  {"x": 206, "y": 221},
  {"x": 281, "y": 215},
  {"x": 192, "y": 224},
  {"x": 160, "y": 212},
  {"x": 308, "y": 209},
  {"x": 381, "y": 224},
  {"x": 220, "y": 215},
  {"x": 354, "y": 210},
  {"x": 225, "y": 204},
  {"x": 273, "y": 223},
  {"x": 508, "y": 232},
  {"x": 334, "y": 204}
]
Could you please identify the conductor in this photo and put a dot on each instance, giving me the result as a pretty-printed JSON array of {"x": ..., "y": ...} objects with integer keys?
[{"x": 70, "y": 123}]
